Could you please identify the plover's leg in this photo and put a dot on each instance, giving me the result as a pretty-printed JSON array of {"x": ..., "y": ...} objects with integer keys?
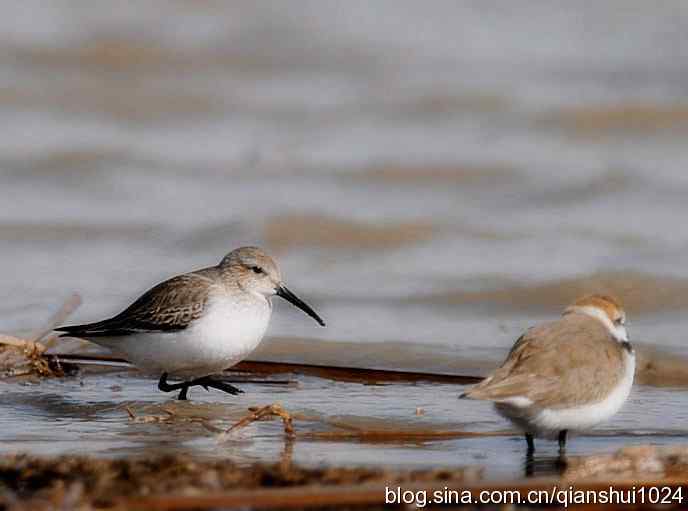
[
  {"x": 529, "y": 463},
  {"x": 562, "y": 439},
  {"x": 530, "y": 442},
  {"x": 182, "y": 393}
]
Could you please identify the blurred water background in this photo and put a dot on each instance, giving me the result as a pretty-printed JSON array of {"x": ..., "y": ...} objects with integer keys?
[{"x": 432, "y": 177}]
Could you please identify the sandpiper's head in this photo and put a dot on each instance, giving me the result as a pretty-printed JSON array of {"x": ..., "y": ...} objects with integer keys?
[
  {"x": 604, "y": 308},
  {"x": 253, "y": 269},
  {"x": 256, "y": 272}
]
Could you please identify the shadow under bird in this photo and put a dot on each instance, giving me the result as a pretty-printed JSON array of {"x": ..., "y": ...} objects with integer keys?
[
  {"x": 198, "y": 324},
  {"x": 568, "y": 374}
]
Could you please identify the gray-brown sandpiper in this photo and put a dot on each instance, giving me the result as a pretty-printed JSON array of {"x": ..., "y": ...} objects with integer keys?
[{"x": 195, "y": 325}]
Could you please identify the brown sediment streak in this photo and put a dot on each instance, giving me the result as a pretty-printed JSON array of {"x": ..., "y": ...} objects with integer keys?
[
  {"x": 639, "y": 292},
  {"x": 381, "y": 436},
  {"x": 136, "y": 105},
  {"x": 353, "y": 374},
  {"x": 621, "y": 117},
  {"x": 350, "y": 374},
  {"x": 459, "y": 175},
  {"x": 285, "y": 231}
]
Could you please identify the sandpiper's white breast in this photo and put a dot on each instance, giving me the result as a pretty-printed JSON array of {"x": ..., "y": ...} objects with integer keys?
[{"x": 230, "y": 328}]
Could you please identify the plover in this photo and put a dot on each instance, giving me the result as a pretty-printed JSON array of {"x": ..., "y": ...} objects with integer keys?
[
  {"x": 569, "y": 374},
  {"x": 197, "y": 324}
]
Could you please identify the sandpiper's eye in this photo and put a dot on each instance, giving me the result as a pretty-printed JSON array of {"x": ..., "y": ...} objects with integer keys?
[{"x": 257, "y": 269}]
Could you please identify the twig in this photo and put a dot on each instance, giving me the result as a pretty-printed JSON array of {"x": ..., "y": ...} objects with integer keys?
[
  {"x": 272, "y": 410},
  {"x": 69, "y": 306}
]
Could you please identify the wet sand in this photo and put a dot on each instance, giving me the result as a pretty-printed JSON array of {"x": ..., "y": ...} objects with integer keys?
[{"x": 175, "y": 482}]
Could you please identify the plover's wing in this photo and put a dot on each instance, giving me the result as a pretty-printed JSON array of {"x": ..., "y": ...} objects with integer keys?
[
  {"x": 170, "y": 306},
  {"x": 512, "y": 380},
  {"x": 559, "y": 363}
]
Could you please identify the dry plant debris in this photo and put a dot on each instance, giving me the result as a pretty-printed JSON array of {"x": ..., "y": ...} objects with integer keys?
[
  {"x": 170, "y": 416},
  {"x": 76, "y": 482},
  {"x": 273, "y": 410},
  {"x": 26, "y": 357},
  {"x": 178, "y": 482},
  {"x": 630, "y": 462}
]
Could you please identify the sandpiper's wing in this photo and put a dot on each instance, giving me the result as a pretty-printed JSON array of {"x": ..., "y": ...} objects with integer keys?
[
  {"x": 562, "y": 363},
  {"x": 170, "y": 306}
]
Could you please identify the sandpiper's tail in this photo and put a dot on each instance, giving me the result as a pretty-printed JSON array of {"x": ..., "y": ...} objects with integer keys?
[
  {"x": 70, "y": 330},
  {"x": 99, "y": 329}
]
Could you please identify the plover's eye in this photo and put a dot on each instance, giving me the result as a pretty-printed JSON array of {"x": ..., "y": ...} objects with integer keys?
[{"x": 257, "y": 269}]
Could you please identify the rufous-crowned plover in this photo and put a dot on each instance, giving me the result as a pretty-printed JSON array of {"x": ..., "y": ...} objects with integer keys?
[{"x": 565, "y": 375}]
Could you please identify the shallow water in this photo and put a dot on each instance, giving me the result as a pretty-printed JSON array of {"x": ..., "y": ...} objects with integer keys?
[
  {"x": 437, "y": 177},
  {"x": 88, "y": 415}
]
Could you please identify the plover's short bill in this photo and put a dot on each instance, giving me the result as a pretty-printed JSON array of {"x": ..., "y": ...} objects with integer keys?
[
  {"x": 197, "y": 324},
  {"x": 569, "y": 374}
]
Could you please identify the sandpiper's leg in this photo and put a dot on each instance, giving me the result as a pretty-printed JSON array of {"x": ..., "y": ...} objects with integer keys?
[
  {"x": 562, "y": 440},
  {"x": 169, "y": 387},
  {"x": 530, "y": 442},
  {"x": 164, "y": 386}
]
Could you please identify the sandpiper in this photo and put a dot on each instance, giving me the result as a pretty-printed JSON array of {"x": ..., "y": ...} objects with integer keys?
[
  {"x": 569, "y": 374},
  {"x": 197, "y": 324}
]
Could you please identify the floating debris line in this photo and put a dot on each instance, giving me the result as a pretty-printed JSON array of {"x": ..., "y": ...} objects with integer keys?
[
  {"x": 336, "y": 373},
  {"x": 341, "y": 430}
]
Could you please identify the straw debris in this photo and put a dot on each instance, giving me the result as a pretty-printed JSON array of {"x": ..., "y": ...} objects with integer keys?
[
  {"x": 27, "y": 357},
  {"x": 261, "y": 413}
]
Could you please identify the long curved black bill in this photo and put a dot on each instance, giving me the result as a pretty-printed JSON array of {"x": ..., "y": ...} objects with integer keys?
[{"x": 283, "y": 292}]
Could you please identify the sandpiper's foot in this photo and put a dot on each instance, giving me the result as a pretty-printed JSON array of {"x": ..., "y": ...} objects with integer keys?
[
  {"x": 169, "y": 387},
  {"x": 206, "y": 382},
  {"x": 531, "y": 443},
  {"x": 209, "y": 381}
]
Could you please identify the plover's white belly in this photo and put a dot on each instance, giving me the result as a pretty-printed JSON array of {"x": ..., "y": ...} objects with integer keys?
[
  {"x": 548, "y": 421},
  {"x": 226, "y": 334}
]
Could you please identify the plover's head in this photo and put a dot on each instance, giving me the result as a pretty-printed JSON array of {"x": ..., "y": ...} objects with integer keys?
[
  {"x": 255, "y": 272},
  {"x": 604, "y": 308}
]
